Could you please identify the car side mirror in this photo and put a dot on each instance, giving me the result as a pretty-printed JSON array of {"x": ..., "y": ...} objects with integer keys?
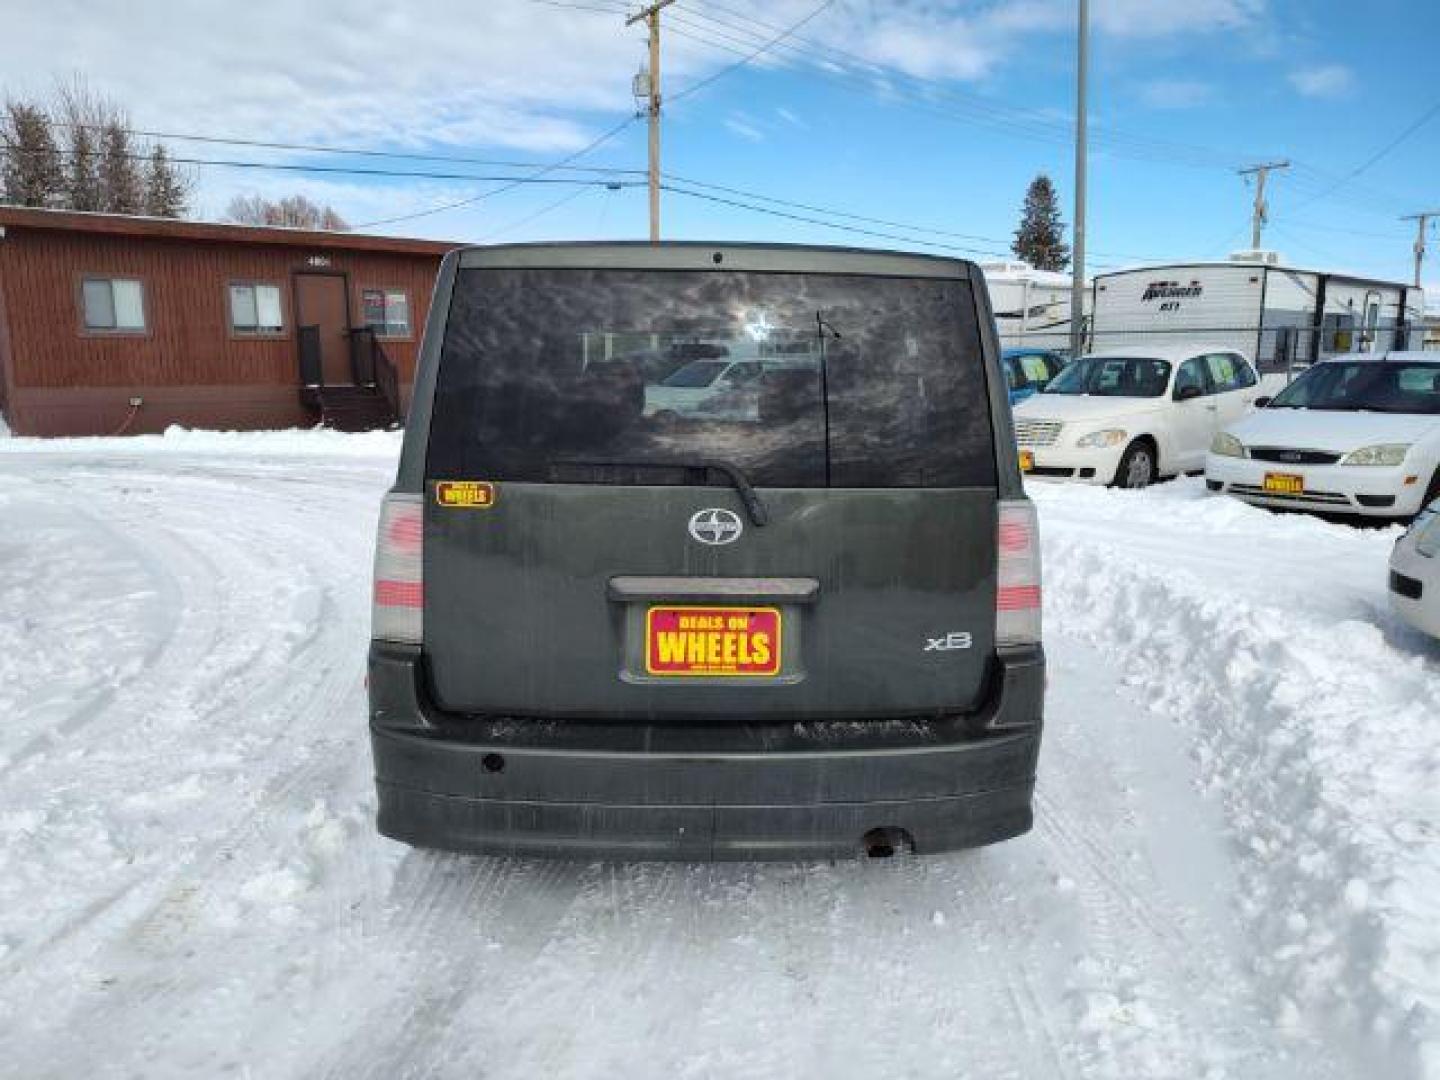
[
  {"x": 1262, "y": 402},
  {"x": 1187, "y": 393}
]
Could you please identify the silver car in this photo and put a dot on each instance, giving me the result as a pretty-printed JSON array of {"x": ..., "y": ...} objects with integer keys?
[{"x": 1415, "y": 573}]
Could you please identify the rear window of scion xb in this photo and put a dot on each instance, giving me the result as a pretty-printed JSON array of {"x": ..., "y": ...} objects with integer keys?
[{"x": 800, "y": 380}]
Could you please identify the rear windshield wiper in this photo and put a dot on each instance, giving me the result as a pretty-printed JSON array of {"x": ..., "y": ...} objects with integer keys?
[{"x": 732, "y": 472}]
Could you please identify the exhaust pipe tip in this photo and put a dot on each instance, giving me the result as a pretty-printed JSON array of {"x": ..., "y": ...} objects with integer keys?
[{"x": 887, "y": 841}]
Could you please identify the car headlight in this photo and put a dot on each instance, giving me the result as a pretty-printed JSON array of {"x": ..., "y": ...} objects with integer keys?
[
  {"x": 1385, "y": 454},
  {"x": 1098, "y": 439},
  {"x": 1227, "y": 445}
]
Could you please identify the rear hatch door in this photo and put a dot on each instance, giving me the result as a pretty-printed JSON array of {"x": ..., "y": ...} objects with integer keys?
[{"x": 815, "y": 539}]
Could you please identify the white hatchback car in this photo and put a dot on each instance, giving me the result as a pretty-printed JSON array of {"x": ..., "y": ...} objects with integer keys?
[
  {"x": 1415, "y": 573},
  {"x": 1353, "y": 435},
  {"x": 1128, "y": 417}
]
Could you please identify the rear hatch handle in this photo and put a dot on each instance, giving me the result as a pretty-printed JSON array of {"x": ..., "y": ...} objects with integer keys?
[{"x": 754, "y": 506}]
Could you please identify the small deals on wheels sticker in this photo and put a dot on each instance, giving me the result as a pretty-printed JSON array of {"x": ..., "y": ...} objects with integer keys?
[
  {"x": 713, "y": 641},
  {"x": 471, "y": 494}
]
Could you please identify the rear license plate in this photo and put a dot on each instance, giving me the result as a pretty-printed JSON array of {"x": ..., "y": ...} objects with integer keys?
[
  {"x": 712, "y": 641},
  {"x": 1284, "y": 483},
  {"x": 1027, "y": 461}
]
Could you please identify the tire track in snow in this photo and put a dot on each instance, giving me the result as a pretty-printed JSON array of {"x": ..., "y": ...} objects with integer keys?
[
  {"x": 287, "y": 940},
  {"x": 252, "y": 687}
]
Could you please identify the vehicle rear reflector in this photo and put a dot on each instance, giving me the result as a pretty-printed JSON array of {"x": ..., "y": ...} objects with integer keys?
[
  {"x": 1017, "y": 593},
  {"x": 399, "y": 608}
]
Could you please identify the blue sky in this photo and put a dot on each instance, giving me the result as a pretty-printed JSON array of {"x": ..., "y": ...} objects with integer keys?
[{"x": 929, "y": 113}]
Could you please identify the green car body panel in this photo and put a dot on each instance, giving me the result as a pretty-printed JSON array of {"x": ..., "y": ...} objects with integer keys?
[{"x": 829, "y": 524}]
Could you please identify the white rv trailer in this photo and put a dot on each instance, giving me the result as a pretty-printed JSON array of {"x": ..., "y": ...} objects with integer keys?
[
  {"x": 1032, "y": 307},
  {"x": 1283, "y": 317}
]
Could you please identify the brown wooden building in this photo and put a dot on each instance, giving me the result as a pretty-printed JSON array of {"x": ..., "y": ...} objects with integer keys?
[{"x": 114, "y": 324}]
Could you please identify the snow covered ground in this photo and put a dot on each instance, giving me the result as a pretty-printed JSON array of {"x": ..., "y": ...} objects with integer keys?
[{"x": 1234, "y": 872}]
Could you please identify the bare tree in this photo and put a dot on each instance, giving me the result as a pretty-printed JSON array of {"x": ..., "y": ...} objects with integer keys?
[
  {"x": 292, "y": 212},
  {"x": 31, "y": 173}
]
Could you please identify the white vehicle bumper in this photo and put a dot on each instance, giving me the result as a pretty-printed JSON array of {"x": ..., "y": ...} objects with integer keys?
[
  {"x": 1074, "y": 464},
  {"x": 1337, "y": 489},
  {"x": 1409, "y": 570}
]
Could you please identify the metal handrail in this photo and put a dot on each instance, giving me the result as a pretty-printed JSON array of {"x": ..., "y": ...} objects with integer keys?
[{"x": 387, "y": 381}]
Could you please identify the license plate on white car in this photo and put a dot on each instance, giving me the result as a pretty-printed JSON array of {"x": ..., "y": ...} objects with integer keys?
[{"x": 1284, "y": 483}]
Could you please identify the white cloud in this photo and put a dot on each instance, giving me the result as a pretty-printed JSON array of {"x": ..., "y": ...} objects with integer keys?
[
  {"x": 492, "y": 78},
  {"x": 501, "y": 73},
  {"x": 742, "y": 125},
  {"x": 1169, "y": 18},
  {"x": 1326, "y": 81},
  {"x": 1176, "y": 93}
]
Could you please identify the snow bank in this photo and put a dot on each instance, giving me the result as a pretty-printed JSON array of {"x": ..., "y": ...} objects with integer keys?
[
  {"x": 294, "y": 442},
  {"x": 1313, "y": 717}
]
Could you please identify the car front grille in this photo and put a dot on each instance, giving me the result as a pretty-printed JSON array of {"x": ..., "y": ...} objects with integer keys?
[
  {"x": 1317, "y": 498},
  {"x": 1038, "y": 432},
  {"x": 1291, "y": 456}
]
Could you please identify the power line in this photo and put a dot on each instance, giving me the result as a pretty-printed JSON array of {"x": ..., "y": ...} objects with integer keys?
[
  {"x": 1375, "y": 158},
  {"x": 833, "y": 212},
  {"x": 765, "y": 47},
  {"x": 823, "y": 223},
  {"x": 353, "y": 170},
  {"x": 1014, "y": 121},
  {"x": 354, "y": 151},
  {"x": 568, "y": 197},
  {"x": 539, "y": 176}
]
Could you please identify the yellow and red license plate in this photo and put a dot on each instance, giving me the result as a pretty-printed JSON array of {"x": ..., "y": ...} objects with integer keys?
[
  {"x": 1284, "y": 483},
  {"x": 712, "y": 641},
  {"x": 1027, "y": 461}
]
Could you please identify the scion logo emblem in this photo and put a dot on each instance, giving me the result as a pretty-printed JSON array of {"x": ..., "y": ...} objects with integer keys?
[{"x": 716, "y": 526}]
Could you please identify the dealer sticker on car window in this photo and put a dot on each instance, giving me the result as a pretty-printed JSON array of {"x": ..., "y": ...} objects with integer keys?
[{"x": 712, "y": 641}]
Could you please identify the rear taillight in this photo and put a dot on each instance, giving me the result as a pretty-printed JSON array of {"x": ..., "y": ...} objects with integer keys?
[
  {"x": 1017, "y": 593},
  {"x": 399, "y": 610}
]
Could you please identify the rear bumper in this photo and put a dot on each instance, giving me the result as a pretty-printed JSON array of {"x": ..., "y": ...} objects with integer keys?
[{"x": 600, "y": 790}]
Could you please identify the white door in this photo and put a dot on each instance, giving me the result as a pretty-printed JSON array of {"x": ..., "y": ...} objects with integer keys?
[
  {"x": 1234, "y": 386},
  {"x": 1194, "y": 423}
]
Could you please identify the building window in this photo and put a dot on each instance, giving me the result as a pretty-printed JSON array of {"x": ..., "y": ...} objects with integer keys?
[
  {"x": 114, "y": 305},
  {"x": 255, "y": 309},
  {"x": 387, "y": 312}
]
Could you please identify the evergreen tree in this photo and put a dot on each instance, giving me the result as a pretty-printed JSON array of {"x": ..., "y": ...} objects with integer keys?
[
  {"x": 121, "y": 185},
  {"x": 166, "y": 190},
  {"x": 30, "y": 170},
  {"x": 1040, "y": 240},
  {"x": 79, "y": 115},
  {"x": 82, "y": 181}
]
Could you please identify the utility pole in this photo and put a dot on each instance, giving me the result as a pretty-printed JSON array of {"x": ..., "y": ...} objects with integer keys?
[
  {"x": 651, "y": 15},
  {"x": 1261, "y": 213},
  {"x": 1421, "y": 220},
  {"x": 1077, "y": 264}
]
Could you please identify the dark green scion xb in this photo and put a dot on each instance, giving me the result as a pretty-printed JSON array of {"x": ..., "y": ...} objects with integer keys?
[{"x": 706, "y": 551}]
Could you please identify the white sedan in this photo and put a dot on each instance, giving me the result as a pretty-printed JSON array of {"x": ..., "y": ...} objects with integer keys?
[
  {"x": 1350, "y": 436},
  {"x": 1129, "y": 417},
  {"x": 1415, "y": 573}
]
